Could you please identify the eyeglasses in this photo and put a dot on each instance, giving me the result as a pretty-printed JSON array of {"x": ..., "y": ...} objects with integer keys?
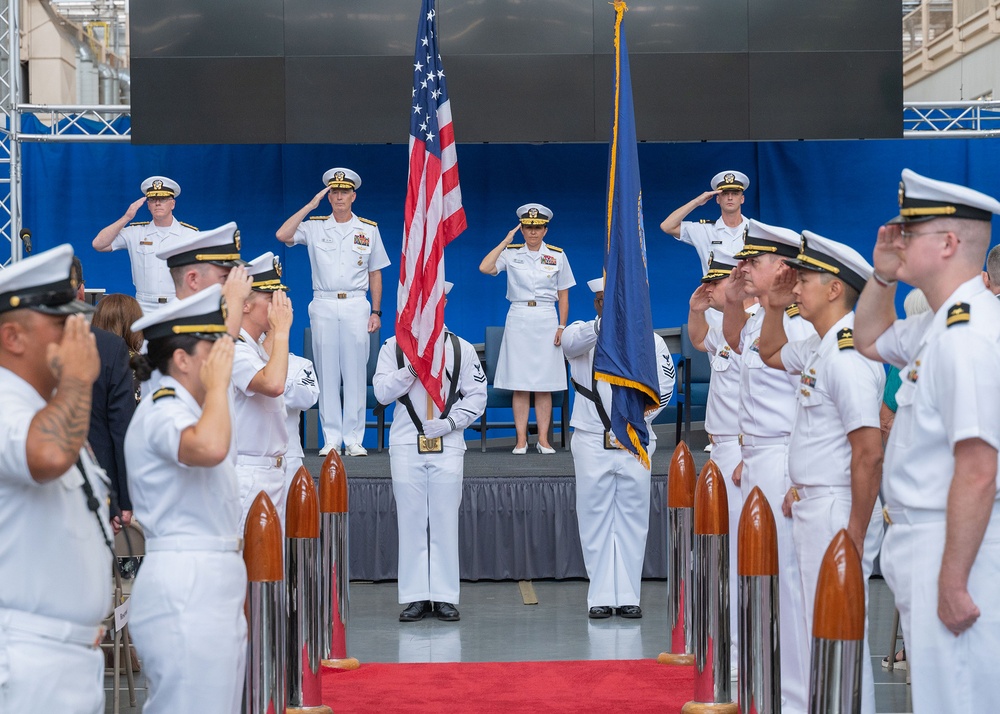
[{"x": 908, "y": 235}]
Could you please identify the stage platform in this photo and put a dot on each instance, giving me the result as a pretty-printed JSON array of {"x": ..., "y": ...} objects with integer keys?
[{"x": 518, "y": 514}]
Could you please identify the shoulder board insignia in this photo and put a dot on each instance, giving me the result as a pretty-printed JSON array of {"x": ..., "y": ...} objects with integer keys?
[
  {"x": 845, "y": 339},
  {"x": 188, "y": 225},
  {"x": 241, "y": 338},
  {"x": 706, "y": 220},
  {"x": 555, "y": 248},
  {"x": 318, "y": 218},
  {"x": 165, "y": 392},
  {"x": 368, "y": 221},
  {"x": 959, "y": 312},
  {"x": 139, "y": 223},
  {"x": 792, "y": 310},
  {"x": 515, "y": 246}
]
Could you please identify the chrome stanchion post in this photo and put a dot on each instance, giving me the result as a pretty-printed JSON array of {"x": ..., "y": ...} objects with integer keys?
[
  {"x": 305, "y": 689},
  {"x": 334, "y": 571},
  {"x": 710, "y": 589},
  {"x": 838, "y": 631},
  {"x": 680, "y": 505},
  {"x": 264, "y": 691},
  {"x": 757, "y": 557}
]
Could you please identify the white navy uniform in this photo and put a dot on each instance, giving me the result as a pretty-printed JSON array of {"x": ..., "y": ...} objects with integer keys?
[
  {"x": 950, "y": 381},
  {"x": 259, "y": 424},
  {"x": 767, "y": 404},
  {"x": 342, "y": 255},
  {"x": 153, "y": 285},
  {"x": 722, "y": 425},
  {"x": 529, "y": 361},
  {"x": 612, "y": 487},
  {"x": 55, "y": 568},
  {"x": 428, "y": 487},
  {"x": 839, "y": 391},
  {"x": 187, "y": 616},
  {"x": 708, "y": 237},
  {"x": 301, "y": 392}
]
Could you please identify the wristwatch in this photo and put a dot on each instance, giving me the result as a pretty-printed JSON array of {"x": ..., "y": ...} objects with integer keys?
[{"x": 377, "y": 312}]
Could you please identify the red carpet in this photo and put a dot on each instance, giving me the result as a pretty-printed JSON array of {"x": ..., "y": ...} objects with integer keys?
[{"x": 632, "y": 686}]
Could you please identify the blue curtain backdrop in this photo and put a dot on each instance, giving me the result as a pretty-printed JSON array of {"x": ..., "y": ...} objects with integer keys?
[{"x": 842, "y": 190}]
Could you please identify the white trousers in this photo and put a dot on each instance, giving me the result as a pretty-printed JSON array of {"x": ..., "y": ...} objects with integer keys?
[
  {"x": 38, "y": 674},
  {"x": 188, "y": 626},
  {"x": 428, "y": 492},
  {"x": 766, "y": 467},
  {"x": 727, "y": 457},
  {"x": 949, "y": 673},
  {"x": 254, "y": 479},
  {"x": 612, "y": 508},
  {"x": 815, "y": 521},
  {"x": 340, "y": 354}
]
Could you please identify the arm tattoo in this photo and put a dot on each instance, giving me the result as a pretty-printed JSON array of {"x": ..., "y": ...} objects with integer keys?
[{"x": 63, "y": 424}]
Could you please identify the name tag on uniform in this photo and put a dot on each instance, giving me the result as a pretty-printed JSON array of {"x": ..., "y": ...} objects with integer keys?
[
  {"x": 610, "y": 441},
  {"x": 145, "y": 242},
  {"x": 429, "y": 446}
]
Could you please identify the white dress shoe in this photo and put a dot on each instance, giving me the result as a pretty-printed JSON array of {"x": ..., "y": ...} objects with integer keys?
[
  {"x": 326, "y": 450},
  {"x": 356, "y": 450},
  {"x": 544, "y": 449},
  {"x": 520, "y": 450}
]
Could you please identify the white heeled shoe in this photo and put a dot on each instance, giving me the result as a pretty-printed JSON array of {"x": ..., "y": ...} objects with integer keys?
[
  {"x": 520, "y": 450},
  {"x": 544, "y": 449}
]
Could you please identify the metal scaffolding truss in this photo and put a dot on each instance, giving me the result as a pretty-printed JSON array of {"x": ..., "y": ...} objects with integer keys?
[{"x": 951, "y": 120}]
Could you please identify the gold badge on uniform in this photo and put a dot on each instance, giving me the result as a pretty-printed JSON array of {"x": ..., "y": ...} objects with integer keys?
[
  {"x": 610, "y": 441},
  {"x": 902, "y": 193},
  {"x": 157, "y": 185},
  {"x": 338, "y": 176},
  {"x": 223, "y": 309},
  {"x": 729, "y": 178},
  {"x": 426, "y": 445},
  {"x": 236, "y": 239},
  {"x": 277, "y": 266},
  {"x": 959, "y": 312}
]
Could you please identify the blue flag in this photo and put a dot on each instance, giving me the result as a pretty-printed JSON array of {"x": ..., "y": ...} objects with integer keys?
[{"x": 625, "y": 355}]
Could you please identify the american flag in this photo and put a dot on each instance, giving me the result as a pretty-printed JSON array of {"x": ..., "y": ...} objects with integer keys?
[{"x": 433, "y": 216}]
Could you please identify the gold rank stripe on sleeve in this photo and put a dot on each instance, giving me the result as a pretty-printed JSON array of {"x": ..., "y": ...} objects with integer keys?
[
  {"x": 515, "y": 246},
  {"x": 845, "y": 339},
  {"x": 553, "y": 247},
  {"x": 188, "y": 225},
  {"x": 368, "y": 221},
  {"x": 139, "y": 223},
  {"x": 164, "y": 392},
  {"x": 792, "y": 310},
  {"x": 958, "y": 313},
  {"x": 318, "y": 218}
]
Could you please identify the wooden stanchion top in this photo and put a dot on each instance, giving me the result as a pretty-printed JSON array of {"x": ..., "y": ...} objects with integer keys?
[
  {"x": 757, "y": 547},
  {"x": 711, "y": 504},
  {"x": 840, "y": 593},
  {"x": 262, "y": 544},
  {"x": 681, "y": 478},
  {"x": 302, "y": 510},
  {"x": 333, "y": 485}
]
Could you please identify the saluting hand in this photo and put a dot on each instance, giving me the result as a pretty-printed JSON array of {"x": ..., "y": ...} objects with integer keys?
[
  {"x": 509, "y": 238},
  {"x": 314, "y": 203},
  {"x": 75, "y": 357},
  {"x": 705, "y": 197},
  {"x": 888, "y": 245},
  {"x": 699, "y": 299},
  {"x": 279, "y": 312},
  {"x": 237, "y": 287},
  {"x": 218, "y": 368},
  {"x": 134, "y": 208},
  {"x": 780, "y": 294},
  {"x": 736, "y": 287}
]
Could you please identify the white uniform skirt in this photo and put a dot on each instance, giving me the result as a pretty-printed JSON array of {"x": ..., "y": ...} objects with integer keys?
[{"x": 529, "y": 361}]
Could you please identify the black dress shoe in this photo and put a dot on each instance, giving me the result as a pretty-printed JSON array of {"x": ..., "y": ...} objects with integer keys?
[
  {"x": 631, "y": 612},
  {"x": 446, "y": 611},
  {"x": 415, "y": 611},
  {"x": 600, "y": 612}
]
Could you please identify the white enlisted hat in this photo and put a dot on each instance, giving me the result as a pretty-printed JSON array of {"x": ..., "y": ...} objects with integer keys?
[
  {"x": 448, "y": 286},
  {"x": 596, "y": 285},
  {"x": 762, "y": 239},
  {"x": 160, "y": 187},
  {"x": 720, "y": 266},
  {"x": 730, "y": 181},
  {"x": 828, "y": 256},
  {"x": 534, "y": 214},
  {"x": 923, "y": 199},
  {"x": 342, "y": 178},
  {"x": 202, "y": 315},
  {"x": 42, "y": 283},
  {"x": 266, "y": 273},
  {"x": 220, "y": 246}
]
